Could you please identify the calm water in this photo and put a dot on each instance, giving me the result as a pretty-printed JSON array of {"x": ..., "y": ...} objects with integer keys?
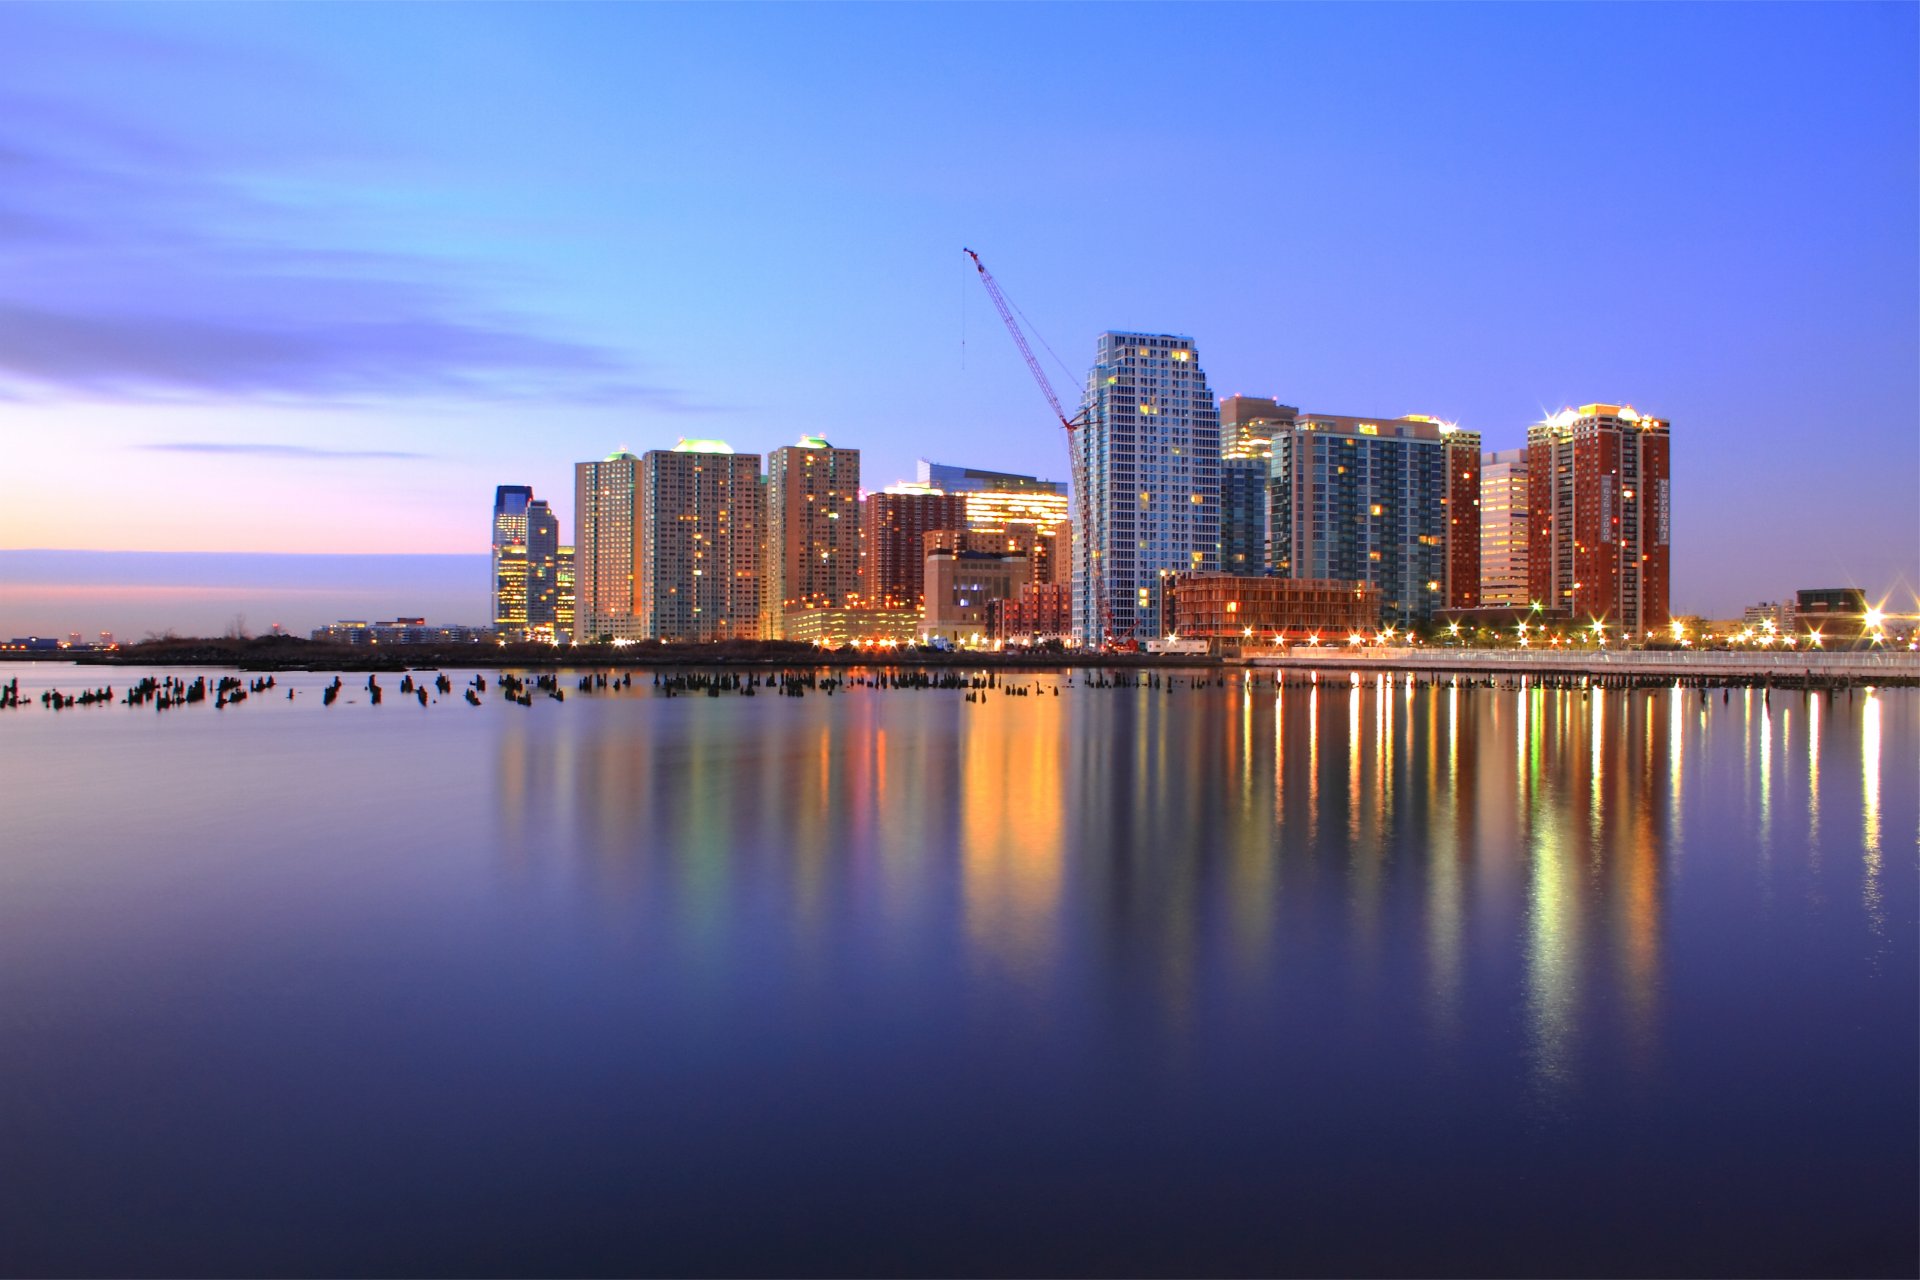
[{"x": 1357, "y": 979}]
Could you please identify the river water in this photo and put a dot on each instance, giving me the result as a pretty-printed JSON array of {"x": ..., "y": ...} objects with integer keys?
[{"x": 1361, "y": 977}]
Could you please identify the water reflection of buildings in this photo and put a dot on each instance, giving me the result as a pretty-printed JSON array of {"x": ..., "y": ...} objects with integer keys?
[{"x": 1401, "y": 846}]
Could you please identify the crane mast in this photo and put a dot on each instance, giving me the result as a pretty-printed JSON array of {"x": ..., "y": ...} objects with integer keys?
[{"x": 1071, "y": 425}]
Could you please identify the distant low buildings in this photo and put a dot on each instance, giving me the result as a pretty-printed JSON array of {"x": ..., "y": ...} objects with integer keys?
[
  {"x": 1837, "y": 613},
  {"x": 1777, "y": 614},
  {"x": 402, "y": 631}
]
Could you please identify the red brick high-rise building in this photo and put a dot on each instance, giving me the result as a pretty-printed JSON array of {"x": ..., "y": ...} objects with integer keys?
[
  {"x": 1463, "y": 519},
  {"x": 1600, "y": 517},
  {"x": 893, "y": 553}
]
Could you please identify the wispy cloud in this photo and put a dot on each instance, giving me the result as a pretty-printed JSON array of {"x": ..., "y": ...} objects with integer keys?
[
  {"x": 267, "y": 450},
  {"x": 140, "y": 268}
]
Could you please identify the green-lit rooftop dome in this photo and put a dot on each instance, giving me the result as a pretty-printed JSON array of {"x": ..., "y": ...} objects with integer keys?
[
  {"x": 703, "y": 446},
  {"x": 812, "y": 442}
]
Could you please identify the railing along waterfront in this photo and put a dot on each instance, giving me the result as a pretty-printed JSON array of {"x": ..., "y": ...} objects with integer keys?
[{"x": 1902, "y": 665}]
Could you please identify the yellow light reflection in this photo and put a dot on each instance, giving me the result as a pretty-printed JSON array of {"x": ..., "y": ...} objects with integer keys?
[
  {"x": 1870, "y": 814},
  {"x": 1011, "y": 830}
]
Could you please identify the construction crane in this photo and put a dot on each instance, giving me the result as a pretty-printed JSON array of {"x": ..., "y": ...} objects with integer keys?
[{"x": 1071, "y": 425}]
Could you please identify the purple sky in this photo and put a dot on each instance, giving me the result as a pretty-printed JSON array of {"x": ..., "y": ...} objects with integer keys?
[{"x": 317, "y": 278}]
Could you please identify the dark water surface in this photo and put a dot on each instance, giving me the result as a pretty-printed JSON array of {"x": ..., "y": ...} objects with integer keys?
[{"x": 1361, "y": 979}]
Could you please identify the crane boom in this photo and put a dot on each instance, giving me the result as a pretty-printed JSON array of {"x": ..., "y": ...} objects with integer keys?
[
  {"x": 1001, "y": 305},
  {"x": 1084, "y": 524}
]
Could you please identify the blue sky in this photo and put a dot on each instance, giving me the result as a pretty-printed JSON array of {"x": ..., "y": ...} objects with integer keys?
[{"x": 315, "y": 278}]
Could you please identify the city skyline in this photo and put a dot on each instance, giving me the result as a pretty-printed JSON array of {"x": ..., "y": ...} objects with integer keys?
[{"x": 227, "y": 322}]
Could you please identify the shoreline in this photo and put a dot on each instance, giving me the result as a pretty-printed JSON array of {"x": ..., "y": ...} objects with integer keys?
[{"x": 1642, "y": 668}]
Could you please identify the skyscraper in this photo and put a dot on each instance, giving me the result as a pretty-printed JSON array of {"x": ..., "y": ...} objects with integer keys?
[
  {"x": 542, "y": 570},
  {"x": 1599, "y": 516},
  {"x": 1503, "y": 529},
  {"x": 893, "y": 552},
  {"x": 606, "y": 542},
  {"x": 1147, "y": 460},
  {"x": 1460, "y": 588},
  {"x": 564, "y": 600},
  {"x": 1247, "y": 427},
  {"x": 1365, "y": 500},
  {"x": 701, "y": 543},
  {"x": 813, "y": 530},
  {"x": 508, "y": 561}
]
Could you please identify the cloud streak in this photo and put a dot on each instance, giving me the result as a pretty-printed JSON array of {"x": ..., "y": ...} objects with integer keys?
[
  {"x": 261, "y": 449},
  {"x": 142, "y": 269}
]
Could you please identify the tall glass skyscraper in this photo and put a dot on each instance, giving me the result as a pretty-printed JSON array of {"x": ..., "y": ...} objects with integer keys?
[
  {"x": 508, "y": 569},
  {"x": 1147, "y": 466},
  {"x": 543, "y": 571}
]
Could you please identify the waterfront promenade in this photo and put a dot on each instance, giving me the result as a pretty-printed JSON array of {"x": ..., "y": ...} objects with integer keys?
[{"x": 1890, "y": 666}]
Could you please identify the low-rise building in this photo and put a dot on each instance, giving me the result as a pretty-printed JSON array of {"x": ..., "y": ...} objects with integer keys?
[
  {"x": 838, "y": 628},
  {"x": 1234, "y": 608},
  {"x": 1837, "y": 613},
  {"x": 961, "y": 585},
  {"x": 401, "y": 631},
  {"x": 1041, "y": 612}
]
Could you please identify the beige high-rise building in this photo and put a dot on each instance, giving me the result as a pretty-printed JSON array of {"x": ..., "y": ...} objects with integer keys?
[
  {"x": 701, "y": 543},
  {"x": 812, "y": 531},
  {"x": 1503, "y": 528},
  {"x": 606, "y": 540}
]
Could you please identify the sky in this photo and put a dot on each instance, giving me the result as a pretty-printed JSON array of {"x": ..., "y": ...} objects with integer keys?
[{"x": 315, "y": 278}]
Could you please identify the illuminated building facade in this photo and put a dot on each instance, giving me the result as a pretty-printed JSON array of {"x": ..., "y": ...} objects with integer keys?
[
  {"x": 1247, "y": 427},
  {"x": 813, "y": 530},
  {"x": 1503, "y": 529},
  {"x": 838, "y": 628},
  {"x": 1042, "y": 611},
  {"x": 1461, "y": 586},
  {"x": 1837, "y": 613},
  {"x": 895, "y": 524},
  {"x": 1257, "y": 610},
  {"x": 1148, "y": 458},
  {"x": 1002, "y": 502},
  {"x": 542, "y": 572},
  {"x": 961, "y": 585},
  {"x": 606, "y": 540},
  {"x": 1367, "y": 500},
  {"x": 508, "y": 562},
  {"x": 1599, "y": 516},
  {"x": 701, "y": 553},
  {"x": 564, "y": 598}
]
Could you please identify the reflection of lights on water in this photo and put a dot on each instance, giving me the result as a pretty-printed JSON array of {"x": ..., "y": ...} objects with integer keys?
[
  {"x": 1552, "y": 939},
  {"x": 1870, "y": 812},
  {"x": 1813, "y": 777},
  {"x": 1676, "y": 759}
]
